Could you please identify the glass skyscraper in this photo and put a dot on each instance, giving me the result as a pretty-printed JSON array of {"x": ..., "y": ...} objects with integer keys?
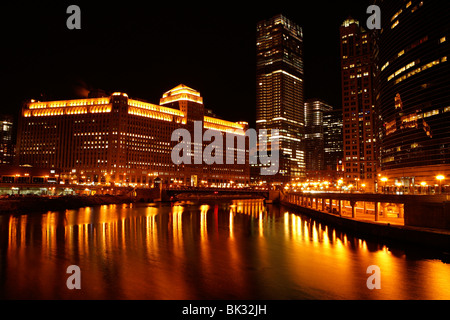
[
  {"x": 279, "y": 93},
  {"x": 333, "y": 143},
  {"x": 6, "y": 139},
  {"x": 315, "y": 110},
  {"x": 413, "y": 93}
]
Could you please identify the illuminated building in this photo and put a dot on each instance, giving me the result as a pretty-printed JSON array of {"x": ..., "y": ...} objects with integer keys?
[
  {"x": 357, "y": 70},
  {"x": 333, "y": 140},
  {"x": 27, "y": 175},
  {"x": 6, "y": 139},
  {"x": 413, "y": 93},
  {"x": 122, "y": 141},
  {"x": 279, "y": 93},
  {"x": 314, "y": 134}
]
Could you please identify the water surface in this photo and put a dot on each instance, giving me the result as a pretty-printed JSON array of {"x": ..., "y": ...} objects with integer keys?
[{"x": 228, "y": 250}]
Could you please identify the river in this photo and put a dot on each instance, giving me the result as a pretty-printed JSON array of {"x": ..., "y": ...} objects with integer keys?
[{"x": 240, "y": 249}]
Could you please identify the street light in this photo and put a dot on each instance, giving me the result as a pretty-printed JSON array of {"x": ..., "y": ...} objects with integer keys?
[
  {"x": 398, "y": 185},
  {"x": 384, "y": 179},
  {"x": 340, "y": 182},
  {"x": 440, "y": 178},
  {"x": 423, "y": 184}
]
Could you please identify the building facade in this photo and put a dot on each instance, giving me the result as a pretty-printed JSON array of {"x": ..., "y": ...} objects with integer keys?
[
  {"x": 359, "y": 113},
  {"x": 315, "y": 110},
  {"x": 413, "y": 93},
  {"x": 333, "y": 140},
  {"x": 116, "y": 140},
  {"x": 6, "y": 140},
  {"x": 279, "y": 93}
]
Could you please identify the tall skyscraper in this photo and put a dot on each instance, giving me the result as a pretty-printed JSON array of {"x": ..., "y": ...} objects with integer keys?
[
  {"x": 413, "y": 93},
  {"x": 357, "y": 69},
  {"x": 279, "y": 93},
  {"x": 6, "y": 139},
  {"x": 314, "y": 134}
]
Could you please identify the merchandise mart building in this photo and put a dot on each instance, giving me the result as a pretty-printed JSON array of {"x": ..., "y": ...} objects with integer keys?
[
  {"x": 116, "y": 140},
  {"x": 413, "y": 94}
]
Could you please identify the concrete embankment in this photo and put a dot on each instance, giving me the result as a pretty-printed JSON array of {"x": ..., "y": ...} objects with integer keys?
[
  {"x": 43, "y": 204},
  {"x": 380, "y": 231}
]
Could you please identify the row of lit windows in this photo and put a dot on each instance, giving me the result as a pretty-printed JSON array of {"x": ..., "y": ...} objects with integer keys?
[
  {"x": 71, "y": 103},
  {"x": 396, "y": 23},
  {"x": 410, "y": 47},
  {"x": 420, "y": 69},
  {"x": 401, "y": 70}
]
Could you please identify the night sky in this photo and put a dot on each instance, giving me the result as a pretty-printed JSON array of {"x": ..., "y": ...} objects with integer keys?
[{"x": 145, "y": 49}]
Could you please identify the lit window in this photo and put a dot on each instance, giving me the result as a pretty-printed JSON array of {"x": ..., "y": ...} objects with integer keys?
[
  {"x": 420, "y": 69},
  {"x": 443, "y": 39},
  {"x": 396, "y": 15},
  {"x": 431, "y": 113}
]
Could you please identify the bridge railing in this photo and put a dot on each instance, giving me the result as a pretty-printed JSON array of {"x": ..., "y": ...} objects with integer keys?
[
  {"x": 369, "y": 207},
  {"x": 216, "y": 189}
]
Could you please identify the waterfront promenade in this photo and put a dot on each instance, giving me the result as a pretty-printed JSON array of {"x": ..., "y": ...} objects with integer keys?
[{"x": 420, "y": 220}]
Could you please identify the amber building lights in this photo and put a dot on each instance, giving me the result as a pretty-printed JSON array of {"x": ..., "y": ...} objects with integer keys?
[
  {"x": 117, "y": 140},
  {"x": 413, "y": 94}
]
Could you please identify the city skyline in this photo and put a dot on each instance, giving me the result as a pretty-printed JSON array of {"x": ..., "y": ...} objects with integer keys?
[
  {"x": 186, "y": 151},
  {"x": 136, "y": 51}
]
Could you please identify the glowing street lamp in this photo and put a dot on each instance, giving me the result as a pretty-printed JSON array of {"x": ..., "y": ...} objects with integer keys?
[
  {"x": 440, "y": 178},
  {"x": 384, "y": 179},
  {"x": 423, "y": 184},
  {"x": 340, "y": 182}
]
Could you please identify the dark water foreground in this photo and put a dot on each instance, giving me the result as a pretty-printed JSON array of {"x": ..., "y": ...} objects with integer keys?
[{"x": 238, "y": 249}]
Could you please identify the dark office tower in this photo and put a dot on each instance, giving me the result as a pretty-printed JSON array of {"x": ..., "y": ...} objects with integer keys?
[
  {"x": 314, "y": 134},
  {"x": 6, "y": 139},
  {"x": 414, "y": 92},
  {"x": 279, "y": 93},
  {"x": 332, "y": 134},
  {"x": 357, "y": 66}
]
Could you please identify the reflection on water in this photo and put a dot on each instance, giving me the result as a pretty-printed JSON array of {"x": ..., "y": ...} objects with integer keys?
[{"x": 228, "y": 250}]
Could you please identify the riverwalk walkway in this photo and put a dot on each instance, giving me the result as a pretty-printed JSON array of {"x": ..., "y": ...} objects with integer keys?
[{"x": 385, "y": 220}]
